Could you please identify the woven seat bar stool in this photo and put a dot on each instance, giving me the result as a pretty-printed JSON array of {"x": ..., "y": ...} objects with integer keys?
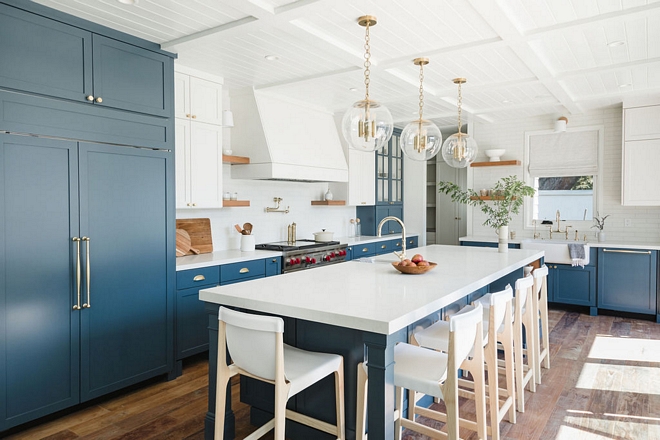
[{"x": 256, "y": 347}]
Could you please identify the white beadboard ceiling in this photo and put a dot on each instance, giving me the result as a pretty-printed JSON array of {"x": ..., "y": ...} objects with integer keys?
[{"x": 520, "y": 57}]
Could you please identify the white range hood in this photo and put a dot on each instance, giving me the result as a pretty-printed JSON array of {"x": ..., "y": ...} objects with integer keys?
[{"x": 285, "y": 139}]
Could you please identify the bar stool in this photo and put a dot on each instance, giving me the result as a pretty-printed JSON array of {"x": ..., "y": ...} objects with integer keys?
[
  {"x": 436, "y": 374},
  {"x": 497, "y": 325},
  {"x": 524, "y": 321},
  {"x": 257, "y": 350},
  {"x": 541, "y": 297}
]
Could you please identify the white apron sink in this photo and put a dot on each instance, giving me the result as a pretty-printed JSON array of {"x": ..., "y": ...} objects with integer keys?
[{"x": 556, "y": 251}]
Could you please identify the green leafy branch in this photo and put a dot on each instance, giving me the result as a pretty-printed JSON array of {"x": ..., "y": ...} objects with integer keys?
[{"x": 506, "y": 201}]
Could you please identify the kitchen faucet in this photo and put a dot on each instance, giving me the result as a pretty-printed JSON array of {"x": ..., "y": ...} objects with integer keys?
[
  {"x": 559, "y": 227},
  {"x": 401, "y": 255}
]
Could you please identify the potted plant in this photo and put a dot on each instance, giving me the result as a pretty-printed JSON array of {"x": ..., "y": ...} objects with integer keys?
[
  {"x": 506, "y": 200},
  {"x": 600, "y": 225}
]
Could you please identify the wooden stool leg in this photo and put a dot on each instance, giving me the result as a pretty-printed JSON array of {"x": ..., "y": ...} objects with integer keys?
[
  {"x": 546, "y": 334},
  {"x": 361, "y": 413},
  {"x": 493, "y": 390},
  {"x": 339, "y": 399},
  {"x": 519, "y": 368},
  {"x": 507, "y": 344},
  {"x": 399, "y": 406}
]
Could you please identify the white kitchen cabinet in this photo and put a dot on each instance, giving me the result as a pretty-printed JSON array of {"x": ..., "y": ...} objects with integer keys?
[
  {"x": 198, "y": 99},
  {"x": 360, "y": 190},
  {"x": 641, "y": 154},
  {"x": 198, "y": 165}
]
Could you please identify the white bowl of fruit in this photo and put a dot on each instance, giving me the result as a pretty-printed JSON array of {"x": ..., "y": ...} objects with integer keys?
[{"x": 414, "y": 266}]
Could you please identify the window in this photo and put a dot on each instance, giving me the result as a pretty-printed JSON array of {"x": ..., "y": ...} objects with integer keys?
[{"x": 564, "y": 170}]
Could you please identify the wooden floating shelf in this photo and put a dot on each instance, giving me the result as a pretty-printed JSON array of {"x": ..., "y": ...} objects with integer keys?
[
  {"x": 231, "y": 203},
  {"x": 488, "y": 198},
  {"x": 235, "y": 159},
  {"x": 328, "y": 202},
  {"x": 495, "y": 164}
]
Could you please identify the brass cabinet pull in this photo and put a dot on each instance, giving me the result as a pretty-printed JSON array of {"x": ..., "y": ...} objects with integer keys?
[
  {"x": 199, "y": 278},
  {"x": 274, "y": 260},
  {"x": 99, "y": 100},
  {"x": 383, "y": 246},
  {"x": 90, "y": 98},
  {"x": 76, "y": 240},
  {"x": 397, "y": 244},
  {"x": 617, "y": 251},
  {"x": 194, "y": 116},
  {"x": 244, "y": 270},
  {"x": 365, "y": 249},
  {"x": 187, "y": 115},
  {"x": 411, "y": 241},
  {"x": 88, "y": 274}
]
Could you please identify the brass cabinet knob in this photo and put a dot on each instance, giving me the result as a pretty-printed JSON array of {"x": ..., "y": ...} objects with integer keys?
[
  {"x": 187, "y": 115},
  {"x": 194, "y": 116},
  {"x": 99, "y": 100},
  {"x": 90, "y": 98}
]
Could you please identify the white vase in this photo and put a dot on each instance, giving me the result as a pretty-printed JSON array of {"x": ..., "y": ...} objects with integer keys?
[
  {"x": 601, "y": 236},
  {"x": 503, "y": 239},
  {"x": 328, "y": 195}
]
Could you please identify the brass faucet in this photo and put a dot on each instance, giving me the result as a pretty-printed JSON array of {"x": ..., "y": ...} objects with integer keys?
[
  {"x": 401, "y": 255},
  {"x": 558, "y": 220}
]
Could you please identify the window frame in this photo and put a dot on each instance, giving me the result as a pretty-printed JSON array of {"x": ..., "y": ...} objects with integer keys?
[{"x": 584, "y": 227}]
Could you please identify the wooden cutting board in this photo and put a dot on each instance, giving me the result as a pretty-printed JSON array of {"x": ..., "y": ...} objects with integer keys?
[{"x": 199, "y": 230}]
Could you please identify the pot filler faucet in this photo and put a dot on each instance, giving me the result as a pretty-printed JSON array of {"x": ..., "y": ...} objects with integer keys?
[{"x": 402, "y": 254}]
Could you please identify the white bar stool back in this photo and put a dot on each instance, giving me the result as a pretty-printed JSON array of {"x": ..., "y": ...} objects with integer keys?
[
  {"x": 257, "y": 350},
  {"x": 436, "y": 374},
  {"x": 524, "y": 320}
]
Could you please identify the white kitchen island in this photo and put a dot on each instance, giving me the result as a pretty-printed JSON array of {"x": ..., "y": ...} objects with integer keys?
[{"x": 363, "y": 309}]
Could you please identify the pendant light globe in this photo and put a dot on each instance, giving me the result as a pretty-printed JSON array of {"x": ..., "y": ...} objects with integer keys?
[
  {"x": 421, "y": 140},
  {"x": 367, "y": 125},
  {"x": 459, "y": 150}
]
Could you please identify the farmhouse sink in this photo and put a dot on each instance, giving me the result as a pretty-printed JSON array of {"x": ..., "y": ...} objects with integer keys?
[{"x": 556, "y": 251}]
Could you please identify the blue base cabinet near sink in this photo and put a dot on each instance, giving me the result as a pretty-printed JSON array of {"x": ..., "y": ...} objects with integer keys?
[{"x": 627, "y": 280}]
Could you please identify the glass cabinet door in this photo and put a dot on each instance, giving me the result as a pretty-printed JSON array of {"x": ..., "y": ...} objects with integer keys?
[{"x": 389, "y": 172}]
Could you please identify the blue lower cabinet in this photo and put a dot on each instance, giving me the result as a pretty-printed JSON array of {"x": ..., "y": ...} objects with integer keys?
[
  {"x": 273, "y": 266},
  {"x": 349, "y": 253},
  {"x": 364, "y": 250},
  {"x": 488, "y": 244},
  {"x": 412, "y": 242},
  {"x": 243, "y": 271},
  {"x": 385, "y": 247},
  {"x": 572, "y": 285},
  {"x": 627, "y": 280}
]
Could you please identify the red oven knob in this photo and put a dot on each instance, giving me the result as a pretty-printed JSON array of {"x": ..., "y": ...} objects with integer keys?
[
  {"x": 327, "y": 258},
  {"x": 332, "y": 254},
  {"x": 298, "y": 261},
  {"x": 313, "y": 260},
  {"x": 308, "y": 260}
]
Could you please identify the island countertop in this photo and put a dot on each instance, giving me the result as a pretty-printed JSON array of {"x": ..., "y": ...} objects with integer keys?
[{"x": 372, "y": 296}]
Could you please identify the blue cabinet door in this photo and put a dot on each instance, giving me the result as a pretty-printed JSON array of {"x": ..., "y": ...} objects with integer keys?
[
  {"x": 627, "y": 280},
  {"x": 39, "y": 337},
  {"x": 132, "y": 78},
  {"x": 574, "y": 285},
  {"x": 273, "y": 266},
  {"x": 125, "y": 210},
  {"x": 44, "y": 56}
]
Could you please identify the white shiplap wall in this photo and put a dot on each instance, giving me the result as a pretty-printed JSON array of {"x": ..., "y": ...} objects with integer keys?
[
  {"x": 511, "y": 135},
  {"x": 269, "y": 227}
]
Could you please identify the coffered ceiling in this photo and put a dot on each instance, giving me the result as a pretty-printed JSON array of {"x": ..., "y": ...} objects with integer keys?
[{"x": 521, "y": 57}]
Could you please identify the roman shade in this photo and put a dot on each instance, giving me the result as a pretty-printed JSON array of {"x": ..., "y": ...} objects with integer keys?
[{"x": 571, "y": 153}]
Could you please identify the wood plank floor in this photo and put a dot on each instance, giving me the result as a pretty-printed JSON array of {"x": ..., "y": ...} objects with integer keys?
[{"x": 604, "y": 384}]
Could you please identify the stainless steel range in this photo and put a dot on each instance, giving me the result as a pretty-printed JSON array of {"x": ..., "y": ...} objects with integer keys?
[{"x": 306, "y": 254}]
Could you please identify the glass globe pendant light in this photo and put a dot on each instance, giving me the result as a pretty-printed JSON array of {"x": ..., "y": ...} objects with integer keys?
[
  {"x": 367, "y": 125},
  {"x": 459, "y": 150},
  {"x": 421, "y": 139}
]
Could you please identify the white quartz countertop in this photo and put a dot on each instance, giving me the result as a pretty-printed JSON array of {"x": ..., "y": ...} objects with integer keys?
[
  {"x": 373, "y": 296},
  {"x": 622, "y": 244},
  {"x": 217, "y": 258}
]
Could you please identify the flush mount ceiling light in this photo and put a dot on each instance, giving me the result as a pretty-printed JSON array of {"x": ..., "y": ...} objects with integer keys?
[
  {"x": 616, "y": 43},
  {"x": 459, "y": 150},
  {"x": 272, "y": 57},
  {"x": 623, "y": 86},
  {"x": 367, "y": 125},
  {"x": 421, "y": 139},
  {"x": 128, "y": 2},
  {"x": 560, "y": 124}
]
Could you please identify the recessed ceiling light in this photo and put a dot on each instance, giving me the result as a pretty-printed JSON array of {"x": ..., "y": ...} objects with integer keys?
[
  {"x": 616, "y": 43},
  {"x": 353, "y": 89},
  {"x": 272, "y": 57},
  {"x": 128, "y": 2},
  {"x": 621, "y": 86}
]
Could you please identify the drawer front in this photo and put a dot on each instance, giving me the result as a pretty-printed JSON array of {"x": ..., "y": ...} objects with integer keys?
[
  {"x": 383, "y": 247},
  {"x": 397, "y": 244},
  {"x": 203, "y": 276},
  {"x": 273, "y": 266},
  {"x": 411, "y": 242},
  {"x": 364, "y": 250},
  {"x": 242, "y": 271}
]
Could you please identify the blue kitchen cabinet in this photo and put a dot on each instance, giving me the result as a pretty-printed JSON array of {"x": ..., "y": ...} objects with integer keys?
[
  {"x": 627, "y": 280},
  {"x": 363, "y": 250},
  {"x": 412, "y": 242},
  {"x": 572, "y": 285},
  {"x": 273, "y": 266},
  {"x": 55, "y": 59},
  {"x": 489, "y": 244},
  {"x": 192, "y": 335},
  {"x": 96, "y": 311}
]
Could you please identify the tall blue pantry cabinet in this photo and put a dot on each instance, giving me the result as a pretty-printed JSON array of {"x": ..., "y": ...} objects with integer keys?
[{"x": 87, "y": 270}]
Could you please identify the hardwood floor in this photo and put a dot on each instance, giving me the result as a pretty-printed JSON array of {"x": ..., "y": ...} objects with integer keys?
[{"x": 604, "y": 384}]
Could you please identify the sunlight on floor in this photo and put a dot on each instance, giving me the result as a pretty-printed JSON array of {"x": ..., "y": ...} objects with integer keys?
[
  {"x": 620, "y": 378},
  {"x": 571, "y": 433},
  {"x": 625, "y": 349}
]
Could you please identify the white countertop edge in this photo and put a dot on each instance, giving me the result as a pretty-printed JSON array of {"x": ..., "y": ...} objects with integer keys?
[
  {"x": 217, "y": 258},
  {"x": 596, "y": 244},
  {"x": 364, "y": 239},
  {"x": 217, "y": 295}
]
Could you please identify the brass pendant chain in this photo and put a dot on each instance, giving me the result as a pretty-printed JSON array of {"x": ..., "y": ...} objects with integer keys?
[
  {"x": 367, "y": 62},
  {"x": 460, "y": 103},
  {"x": 421, "y": 92}
]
